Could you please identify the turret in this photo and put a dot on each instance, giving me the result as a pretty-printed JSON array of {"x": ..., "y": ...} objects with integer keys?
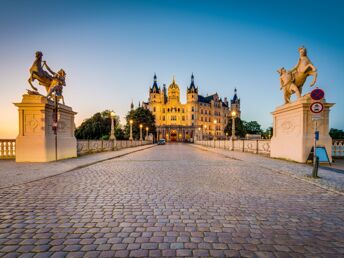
[
  {"x": 154, "y": 92},
  {"x": 235, "y": 103},
  {"x": 192, "y": 91}
]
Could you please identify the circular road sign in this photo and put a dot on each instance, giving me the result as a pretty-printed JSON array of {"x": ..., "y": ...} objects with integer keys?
[
  {"x": 317, "y": 107},
  {"x": 317, "y": 94}
]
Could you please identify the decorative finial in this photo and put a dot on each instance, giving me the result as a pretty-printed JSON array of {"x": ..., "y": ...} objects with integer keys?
[
  {"x": 174, "y": 81},
  {"x": 192, "y": 77}
]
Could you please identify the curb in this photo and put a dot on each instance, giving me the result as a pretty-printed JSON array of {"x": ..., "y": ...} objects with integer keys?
[
  {"x": 81, "y": 166},
  {"x": 328, "y": 188}
]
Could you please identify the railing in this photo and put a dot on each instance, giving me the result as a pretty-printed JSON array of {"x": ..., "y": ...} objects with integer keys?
[
  {"x": 91, "y": 146},
  {"x": 7, "y": 149},
  {"x": 260, "y": 146},
  {"x": 338, "y": 148}
]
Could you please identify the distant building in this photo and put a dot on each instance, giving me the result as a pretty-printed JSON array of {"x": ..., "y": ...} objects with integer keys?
[{"x": 201, "y": 117}]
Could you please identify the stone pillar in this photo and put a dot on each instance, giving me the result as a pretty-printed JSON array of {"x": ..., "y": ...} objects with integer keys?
[
  {"x": 293, "y": 130},
  {"x": 36, "y": 139}
]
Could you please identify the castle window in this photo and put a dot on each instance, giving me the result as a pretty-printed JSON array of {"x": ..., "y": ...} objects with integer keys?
[
  {"x": 192, "y": 109},
  {"x": 183, "y": 110},
  {"x": 178, "y": 109},
  {"x": 168, "y": 110},
  {"x": 183, "y": 118},
  {"x": 163, "y": 110},
  {"x": 154, "y": 109},
  {"x": 202, "y": 119},
  {"x": 163, "y": 118},
  {"x": 192, "y": 116}
]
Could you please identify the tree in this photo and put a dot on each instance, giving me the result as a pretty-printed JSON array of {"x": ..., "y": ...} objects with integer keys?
[
  {"x": 139, "y": 116},
  {"x": 97, "y": 127},
  {"x": 267, "y": 134},
  {"x": 239, "y": 127},
  {"x": 336, "y": 133},
  {"x": 253, "y": 127}
]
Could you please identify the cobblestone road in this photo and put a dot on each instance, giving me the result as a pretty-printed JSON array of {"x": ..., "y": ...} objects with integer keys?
[{"x": 172, "y": 200}]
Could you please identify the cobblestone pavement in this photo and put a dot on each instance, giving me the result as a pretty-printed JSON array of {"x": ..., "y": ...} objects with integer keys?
[{"x": 173, "y": 200}]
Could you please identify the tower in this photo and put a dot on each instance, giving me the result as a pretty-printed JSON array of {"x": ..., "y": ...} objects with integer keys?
[
  {"x": 173, "y": 92},
  {"x": 235, "y": 103},
  {"x": 154, "y": 92},
  {"x": 192, "y": 91}
]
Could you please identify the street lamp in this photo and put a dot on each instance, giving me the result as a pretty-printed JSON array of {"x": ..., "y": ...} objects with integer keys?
[
  {"x": 146, "y": 138},
  {"x": 233, "y": 113},
  {"x": 131, "y": 129},
  {"x": 141, "y": 132},
  {"x": 215, "y": 122},
  {"x": 112, "y": 133}
]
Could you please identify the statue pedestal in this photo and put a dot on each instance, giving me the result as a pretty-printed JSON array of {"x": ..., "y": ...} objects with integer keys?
[
  {"x": 293, "y": 130},
  {"x": 36, "y": 141}
]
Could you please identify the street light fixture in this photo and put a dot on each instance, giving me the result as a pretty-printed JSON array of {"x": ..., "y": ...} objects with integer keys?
[
  {"x": 146, "y": 138},
  {"x": 215, "y": 122},
  {"x": 131, "y": 129},
  {"x": 112, "y": 133},
  {"x": 141, "y": 132},
  {"x": 233, "y": 113}
]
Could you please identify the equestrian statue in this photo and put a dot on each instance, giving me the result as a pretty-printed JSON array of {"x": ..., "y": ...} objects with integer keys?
[
  {"x": 292, "y": 81},
  {"x": 52, "y": 81}
]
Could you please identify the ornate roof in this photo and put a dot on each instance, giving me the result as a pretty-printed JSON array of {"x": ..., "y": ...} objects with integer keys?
[
  {"x": 155, "y": 87},
  {"x": 192, "y": 88},
  {"x": 173, "y": 85}
]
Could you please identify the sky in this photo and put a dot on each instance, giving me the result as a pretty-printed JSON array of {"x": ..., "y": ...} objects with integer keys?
[{"x": 110, "y": 51}]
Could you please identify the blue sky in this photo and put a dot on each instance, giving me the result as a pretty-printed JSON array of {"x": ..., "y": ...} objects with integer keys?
[{"x": 111, "y": 50}]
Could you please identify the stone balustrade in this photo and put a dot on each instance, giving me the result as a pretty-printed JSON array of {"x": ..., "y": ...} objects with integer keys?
[
  {"x": 7, "y": 149},
  {"x": 338, "y": 148},
  {"x": 259, "y": 146},
  {"x": 91, "y": 146}
]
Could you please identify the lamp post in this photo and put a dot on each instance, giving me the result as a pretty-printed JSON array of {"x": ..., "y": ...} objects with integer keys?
[
  {"x": 233, "y": 113},
  {"x": 141, "y": 132},
  {"x": 146, "y": 138},
  {"x": 205, "y": 129},
  {"x": 131, "y": 129},
  {"x": 112, "y": 133}
]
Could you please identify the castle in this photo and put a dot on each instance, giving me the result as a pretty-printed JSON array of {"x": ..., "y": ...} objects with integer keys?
[{"x": 200, "y": 117}]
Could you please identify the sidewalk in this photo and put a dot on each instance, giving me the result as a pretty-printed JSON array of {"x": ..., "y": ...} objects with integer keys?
[
  {"x": 12, "y": 173},
  {"x": 330, "y": 180}
]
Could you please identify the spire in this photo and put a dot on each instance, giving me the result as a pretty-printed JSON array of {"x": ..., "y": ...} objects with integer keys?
[
  {"x": 173, "y": 81},
  {"x": 155, "y": 87},
  {"x": 192, "y": 88},
  {"x": 132, "y": 105},
  {"x": 235, "y": 97}
]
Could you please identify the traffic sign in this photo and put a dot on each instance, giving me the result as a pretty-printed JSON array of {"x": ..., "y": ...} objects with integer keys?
[
  {"x": 317, "y": 107},
  {"x": 317, "y": 94}
]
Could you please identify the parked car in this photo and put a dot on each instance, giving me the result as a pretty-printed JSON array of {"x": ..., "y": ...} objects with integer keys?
[{"x": 162, "y": 142}]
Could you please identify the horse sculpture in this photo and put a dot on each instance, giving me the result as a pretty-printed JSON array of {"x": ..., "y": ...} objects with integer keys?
[
  {"x": 297, "y": 76},
  {"x": 52, "y": 81}
]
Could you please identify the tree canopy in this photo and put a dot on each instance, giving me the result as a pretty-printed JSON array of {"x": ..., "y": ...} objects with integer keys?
[
  {"x": 98, "y": 127},
  {"x": 336, "y": 133},
  {"x": 242, "y": 127},
  {"x": 139, "y": 116}
]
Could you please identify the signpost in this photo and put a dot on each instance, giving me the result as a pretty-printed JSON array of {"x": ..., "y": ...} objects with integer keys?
[{"x": 316, "y": 108}]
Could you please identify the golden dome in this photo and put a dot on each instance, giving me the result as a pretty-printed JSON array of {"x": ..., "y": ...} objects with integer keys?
[{"x": 173, "y": 85}]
